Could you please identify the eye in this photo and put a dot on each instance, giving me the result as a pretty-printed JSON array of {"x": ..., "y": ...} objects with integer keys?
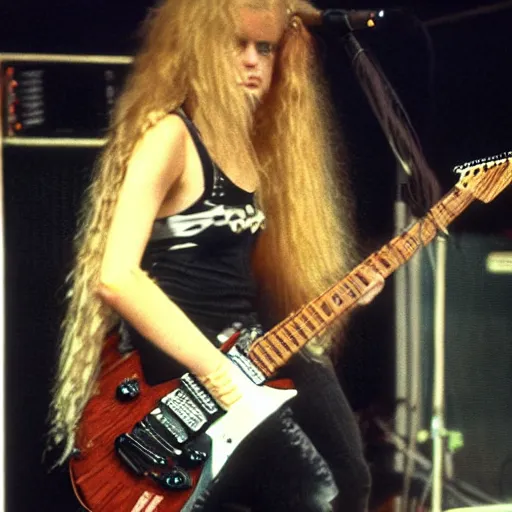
[
  {"x": 265, "y": 48},
  {"x": 241, "y": 43}
]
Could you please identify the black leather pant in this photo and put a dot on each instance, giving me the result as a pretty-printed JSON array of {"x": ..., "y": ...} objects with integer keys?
[
  {"x": 324, "y": 414},
  {"x": 276, "y": 468},
  {"x": 286, "y": 468}
]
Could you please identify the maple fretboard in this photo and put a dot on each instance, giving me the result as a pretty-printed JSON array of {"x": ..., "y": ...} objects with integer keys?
[{"x": 277, "y": 346}]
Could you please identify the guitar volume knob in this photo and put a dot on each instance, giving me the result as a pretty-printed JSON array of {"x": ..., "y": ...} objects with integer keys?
[
  {"x": 177, "y": 479},
  {"x": 128, "y": 390},
  {"x": 191, "y": 458}
]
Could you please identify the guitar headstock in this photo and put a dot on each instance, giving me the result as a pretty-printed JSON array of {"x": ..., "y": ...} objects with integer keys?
[{"x": 486, "y": 178}]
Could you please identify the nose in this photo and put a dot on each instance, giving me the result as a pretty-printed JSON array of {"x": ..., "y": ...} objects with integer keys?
[{"x": 250, "y": 56}]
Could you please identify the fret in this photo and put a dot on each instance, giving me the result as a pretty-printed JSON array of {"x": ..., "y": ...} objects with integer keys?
[
  {"x": 452, "y": 205},
  {"x": 271, "y": 351},
  {"x": 289, "y": 349},
  {"x": 256, "y": 359},
  {"x": 362, "y": 281},
  {"x": 282, "y": 342},
  {"x": 447, "y": 211},
  {"x": 265, "y": 354},
  {"x": 320, "y": 310},
  {"x": 290, "y": 336},
  {"x": 308, "y": 323},
  {"x": 274, "y": 340},
  {"x": 344, "y": 297},
  {"x": 362, "y": 278},
  {"x": 375, "y": 262},
  {"x": 326, "y": 309},
  {"x": 275, "y": 349},
  {"x": 397, "y": 250},
  {"x": 461, "y": 202},
  {"x": 371, "y": 262},
  {"x": 348, "y": 290},
  {"x": 376, "y": 265},
  {"x": 383, "y": 261},
  {"x": 388, "y": 253},
  {"x": 259, "y": 356},
  {"x": 299, "y": 329},
  {"x": 410, "y": 244},
  {"x": 355, "y": 284},
  {"x": 443, "y": 218},
  {"x": 440, "y": 216},
  {"x": 427, "y": 230}
]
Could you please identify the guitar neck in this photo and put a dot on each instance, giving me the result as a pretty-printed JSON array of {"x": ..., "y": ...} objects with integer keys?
[{"x": 277, "y": 346}]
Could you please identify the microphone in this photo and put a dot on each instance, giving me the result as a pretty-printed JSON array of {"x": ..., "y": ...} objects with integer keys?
[{"x": 341, "y": 21}]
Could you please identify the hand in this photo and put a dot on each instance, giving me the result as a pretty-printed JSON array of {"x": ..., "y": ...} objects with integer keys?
[
  {"x": 225, "y": 384},
  {"x": 374, "y": 288},
  {"x": 230, "y": 386}
]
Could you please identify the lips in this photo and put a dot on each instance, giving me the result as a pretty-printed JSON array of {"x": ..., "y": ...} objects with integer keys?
[{"x": 252, "y": 81}]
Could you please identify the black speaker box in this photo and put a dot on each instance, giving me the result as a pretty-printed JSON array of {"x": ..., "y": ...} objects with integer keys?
[
  {"x": 478, "y": 357},
  {"x": 42, "y": 191}
]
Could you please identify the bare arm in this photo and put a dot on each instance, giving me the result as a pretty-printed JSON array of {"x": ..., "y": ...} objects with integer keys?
[{"x": 157, "y": 163}]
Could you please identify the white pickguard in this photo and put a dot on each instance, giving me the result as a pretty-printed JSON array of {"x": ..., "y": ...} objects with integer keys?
[{"x": 243, "y": 417}]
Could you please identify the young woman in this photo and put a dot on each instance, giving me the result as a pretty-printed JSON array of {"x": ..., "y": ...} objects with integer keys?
[{"x": 216, "y": 201}]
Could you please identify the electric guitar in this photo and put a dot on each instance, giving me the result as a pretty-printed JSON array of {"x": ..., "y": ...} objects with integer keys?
[{"x": 145, "y": 449}]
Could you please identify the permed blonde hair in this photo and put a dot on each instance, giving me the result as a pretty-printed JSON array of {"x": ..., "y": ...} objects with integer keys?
[{"x": 289, "y": 142}]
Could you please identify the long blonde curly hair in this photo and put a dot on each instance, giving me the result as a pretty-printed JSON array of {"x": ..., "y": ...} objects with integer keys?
[{"x": 289, "y": 142}]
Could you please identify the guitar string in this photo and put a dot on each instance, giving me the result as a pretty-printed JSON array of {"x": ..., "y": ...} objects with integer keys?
[
  {"x": 300, "y": 324},
  {"x": 295, "y": 332},
  {"x": 411, "y": 246},
  {"x": 440, "y": 215}
]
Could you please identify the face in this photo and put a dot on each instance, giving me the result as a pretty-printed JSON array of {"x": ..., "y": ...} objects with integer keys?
[{"x": 258, "y": 35}]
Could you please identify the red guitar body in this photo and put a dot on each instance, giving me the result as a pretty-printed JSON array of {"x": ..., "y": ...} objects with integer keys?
[{"x": 102, "y": 483}]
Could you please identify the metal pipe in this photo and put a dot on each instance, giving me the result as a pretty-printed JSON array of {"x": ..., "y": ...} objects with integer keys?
[
  {"x": 438, "y": 430},
  {"x": 414, "y": 364},
  {"x": 53, "y": 142},
  {"x": 71, "y": 59},
  {"x": 401, "y": 353},
  {"x": 2, "y": 311}
]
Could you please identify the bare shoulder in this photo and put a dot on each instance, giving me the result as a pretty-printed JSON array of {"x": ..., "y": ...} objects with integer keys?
[
  {"x": 170, "y": 126},
  {"x": 164, "y": 135},
  {"x": 160, "y": 152}
]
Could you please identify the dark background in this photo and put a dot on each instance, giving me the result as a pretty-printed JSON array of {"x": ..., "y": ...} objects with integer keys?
[{"x": 454, "y": 79}]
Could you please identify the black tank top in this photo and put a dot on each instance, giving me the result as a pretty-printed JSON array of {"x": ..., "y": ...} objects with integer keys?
[{"x": 201, "y": 259}]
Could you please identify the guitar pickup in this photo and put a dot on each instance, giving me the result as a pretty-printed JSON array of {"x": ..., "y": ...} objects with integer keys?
[
  {"x": 199, "y": 393},
  {"x": 180, "y": 404},
  {"x": 147, "y": 435},
  {"x": 167, "y": 426},
  {"x": 137, "y": 456}
]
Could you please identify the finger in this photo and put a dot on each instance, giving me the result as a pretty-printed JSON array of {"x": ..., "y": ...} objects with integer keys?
[{"x": 374, "y": 288}]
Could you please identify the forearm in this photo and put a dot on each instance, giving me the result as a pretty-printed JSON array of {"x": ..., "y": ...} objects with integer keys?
[{"x": 146, "y": 307}]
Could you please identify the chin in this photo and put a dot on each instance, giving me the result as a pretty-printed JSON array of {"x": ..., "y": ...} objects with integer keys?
[
  {"x": 253, "y": 99},
  {"x": 256, "y": 92}
]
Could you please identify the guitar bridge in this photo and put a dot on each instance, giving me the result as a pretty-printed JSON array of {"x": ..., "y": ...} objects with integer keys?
[{"x": 163, "y": 442}]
